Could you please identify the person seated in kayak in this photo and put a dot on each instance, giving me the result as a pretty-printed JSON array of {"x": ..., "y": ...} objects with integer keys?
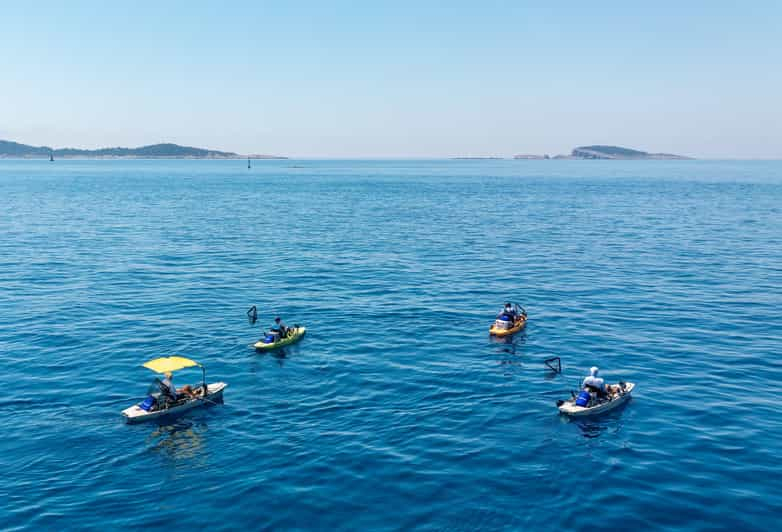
[
  {"x": 595, "y": 384},
  {"x": 170, "y": 394},
  {"x": 280, "y": 327},
  {"x": 167, "y": 389},
  {"x": 508, "y": 311}
]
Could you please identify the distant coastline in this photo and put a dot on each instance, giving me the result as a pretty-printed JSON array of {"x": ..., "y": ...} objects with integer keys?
[
  {"x": 588, "y": 153},
  {"x": 15, "y": 150},
  {"x": 9, "y": 149},
  {"x": 606, "y": 153}
]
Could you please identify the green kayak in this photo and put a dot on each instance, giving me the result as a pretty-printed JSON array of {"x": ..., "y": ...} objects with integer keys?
[{"x": 294, "y": 335}]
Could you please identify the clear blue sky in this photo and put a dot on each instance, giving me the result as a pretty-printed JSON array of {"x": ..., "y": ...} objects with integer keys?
[{"x": 396, "y": 79}]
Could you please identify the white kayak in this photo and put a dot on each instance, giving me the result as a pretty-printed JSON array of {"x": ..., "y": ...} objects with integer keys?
[
  {"x": 570, "y": 407},
  {"x": 136, "y": 414}
]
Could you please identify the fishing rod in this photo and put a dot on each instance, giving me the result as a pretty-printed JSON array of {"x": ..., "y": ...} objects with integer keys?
[
  {"x": 204, "y": 399},
  {"x": 555, "y": 365}
]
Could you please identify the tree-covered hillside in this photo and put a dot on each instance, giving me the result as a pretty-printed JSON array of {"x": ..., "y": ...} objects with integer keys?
[{"x": 15, "y": 149}]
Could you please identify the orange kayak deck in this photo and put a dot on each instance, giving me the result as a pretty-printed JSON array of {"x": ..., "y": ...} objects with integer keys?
[{"x": 517, "y": 326}]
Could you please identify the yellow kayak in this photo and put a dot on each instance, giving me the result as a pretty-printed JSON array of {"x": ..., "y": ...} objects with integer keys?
[
  {"x": 294, "y": 335},
  {"x": 517, "y": 326}
]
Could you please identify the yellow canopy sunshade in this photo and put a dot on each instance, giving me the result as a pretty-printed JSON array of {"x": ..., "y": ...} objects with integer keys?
[{"x": 164, "y": 364}]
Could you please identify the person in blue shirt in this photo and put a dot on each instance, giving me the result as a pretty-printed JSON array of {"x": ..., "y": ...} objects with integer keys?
[{"x": 280, "y": 327}]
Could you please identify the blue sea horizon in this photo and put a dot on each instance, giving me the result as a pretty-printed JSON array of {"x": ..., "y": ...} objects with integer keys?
[{"x": 396, "y": 411}]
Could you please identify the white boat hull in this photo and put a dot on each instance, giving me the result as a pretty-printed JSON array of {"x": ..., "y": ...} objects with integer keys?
[
  {"x": 134, "y": 414},
  {"x": 570, "y": 408}
]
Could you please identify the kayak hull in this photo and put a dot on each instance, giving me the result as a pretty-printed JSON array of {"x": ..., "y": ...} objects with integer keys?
[
  {"x": 298, "y": 333},
  {"x": 569, "y": 407},
  {"x": 517, "y": 326},
  {"x": 134, "y": 414}
]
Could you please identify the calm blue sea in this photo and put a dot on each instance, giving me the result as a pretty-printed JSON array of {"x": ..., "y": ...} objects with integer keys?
[{"x": 396, "y": 411}]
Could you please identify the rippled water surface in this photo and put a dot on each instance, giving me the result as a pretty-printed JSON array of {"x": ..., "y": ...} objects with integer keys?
[{"x": 396, "y": 411}]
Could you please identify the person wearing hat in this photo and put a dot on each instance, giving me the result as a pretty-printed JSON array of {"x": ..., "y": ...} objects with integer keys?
[
  {"x": 507, "y": 317},
  {"x": 167, "y": 387},
  {"x": 593, "y": 383}
]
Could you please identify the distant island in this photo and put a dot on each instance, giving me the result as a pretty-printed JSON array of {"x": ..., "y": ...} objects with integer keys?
[
  {"x": 476, "y": 158},
  {"x": 10, "y": 149},
  {"x": 531, "y": 157},
  {"x": 616, "y": 152},
  {"x": 607, "y": 152}
]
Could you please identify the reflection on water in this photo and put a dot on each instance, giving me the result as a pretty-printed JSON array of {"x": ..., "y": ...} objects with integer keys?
[
  {"x": 179, "y": 440},
  {"x": 510, "y": 348},
  {"x": 591, "y": 428},
  {"x": 279, "y": 355},
  {"x": 595, "y": 426},
  {"x": 512, "y": 342}
]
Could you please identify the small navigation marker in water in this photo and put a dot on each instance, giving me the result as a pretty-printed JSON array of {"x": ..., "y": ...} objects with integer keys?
[
  {"x": 248, "y": 163},
  {"x": 51, "y": 156}
]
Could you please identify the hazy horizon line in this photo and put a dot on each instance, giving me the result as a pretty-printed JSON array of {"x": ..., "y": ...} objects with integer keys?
[
  {"x": 282, "y": 156},
  {"x": 455, "y": 158},
  {"x": 463, "y": 156}
]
